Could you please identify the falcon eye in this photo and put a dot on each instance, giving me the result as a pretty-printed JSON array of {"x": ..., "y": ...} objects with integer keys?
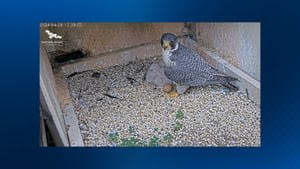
[{"x": 172, "y": 44}]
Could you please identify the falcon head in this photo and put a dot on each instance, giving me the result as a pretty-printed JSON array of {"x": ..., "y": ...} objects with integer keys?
[{"x": 169, "y": 42}]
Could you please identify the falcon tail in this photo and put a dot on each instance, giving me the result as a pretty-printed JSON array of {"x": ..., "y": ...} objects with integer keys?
[
  {"x": 230, "y": 86},
  {"x": 228, "y": 78},
  {"x": 226, "y": 82}
]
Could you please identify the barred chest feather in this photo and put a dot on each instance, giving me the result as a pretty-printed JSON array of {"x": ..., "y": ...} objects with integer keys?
[{"x": 166, "y": 58}]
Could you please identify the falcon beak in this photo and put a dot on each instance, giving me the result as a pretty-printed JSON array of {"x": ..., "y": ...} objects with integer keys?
[{"x": 165, "y": 44}]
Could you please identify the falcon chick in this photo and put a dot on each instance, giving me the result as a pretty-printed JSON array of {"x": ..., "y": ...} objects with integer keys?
[{"x": 187, "y": 68}]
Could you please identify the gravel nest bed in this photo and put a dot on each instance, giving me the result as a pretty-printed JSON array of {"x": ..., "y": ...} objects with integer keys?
[{"x": 117, "y": 107}]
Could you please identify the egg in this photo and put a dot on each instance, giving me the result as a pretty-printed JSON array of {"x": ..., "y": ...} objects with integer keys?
[{"x": 168, "y": 87}]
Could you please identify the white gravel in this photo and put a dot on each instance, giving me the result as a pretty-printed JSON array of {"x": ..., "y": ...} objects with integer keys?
[{"x": 136, "y": 113}]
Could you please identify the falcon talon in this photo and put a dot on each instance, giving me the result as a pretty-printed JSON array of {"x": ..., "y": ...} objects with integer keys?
[{"x": 174, "y": 94}]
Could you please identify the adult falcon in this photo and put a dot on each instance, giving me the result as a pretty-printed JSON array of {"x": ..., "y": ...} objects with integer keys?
[{"x": 187, "y": 68}]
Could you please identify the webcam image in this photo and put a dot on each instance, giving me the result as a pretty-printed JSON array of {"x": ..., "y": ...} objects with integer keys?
[{"x": 181, "y": 84}]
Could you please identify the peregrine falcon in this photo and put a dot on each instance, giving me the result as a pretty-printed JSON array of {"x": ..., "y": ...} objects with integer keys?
[{"x": 186, "y": 68}]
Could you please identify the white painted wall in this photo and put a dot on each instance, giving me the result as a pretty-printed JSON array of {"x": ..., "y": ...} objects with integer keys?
[{"x": 238, "y": 43}]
